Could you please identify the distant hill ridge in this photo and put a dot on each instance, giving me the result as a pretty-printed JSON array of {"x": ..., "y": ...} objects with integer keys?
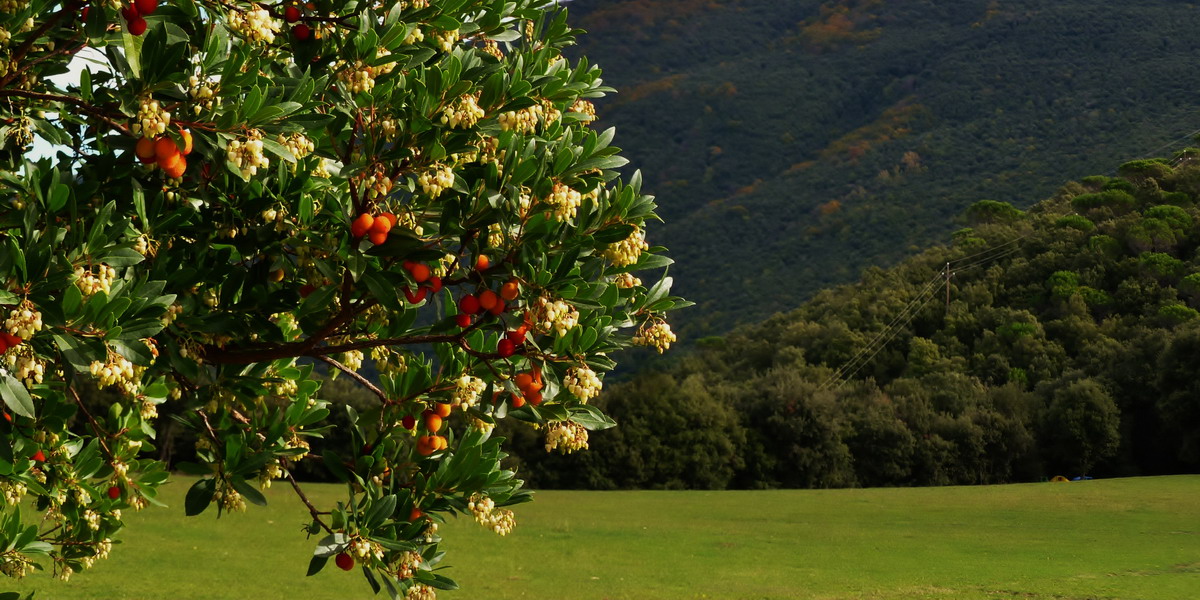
[{"x": 792, "y": 144}]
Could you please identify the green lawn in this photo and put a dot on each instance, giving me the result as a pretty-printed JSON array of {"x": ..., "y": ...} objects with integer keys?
[{"x": 1128, "y": 539}]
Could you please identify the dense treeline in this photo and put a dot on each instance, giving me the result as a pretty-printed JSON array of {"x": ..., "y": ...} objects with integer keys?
[
  {"x": 1069, "y": 346},
  {"x": 792, "y": 144}
]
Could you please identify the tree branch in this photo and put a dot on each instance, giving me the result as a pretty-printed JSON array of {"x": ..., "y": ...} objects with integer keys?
[
  {"x": 84, "y": 106},
  {"x": 355, "y": 376},
  {"x": 312, "y": 510}
]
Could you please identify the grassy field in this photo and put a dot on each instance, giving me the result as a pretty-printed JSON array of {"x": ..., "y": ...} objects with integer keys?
[{"x": 1115, "y": 539}]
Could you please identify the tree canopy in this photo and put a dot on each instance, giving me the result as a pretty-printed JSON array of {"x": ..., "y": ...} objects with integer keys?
[{"x": 245, "y": 195}]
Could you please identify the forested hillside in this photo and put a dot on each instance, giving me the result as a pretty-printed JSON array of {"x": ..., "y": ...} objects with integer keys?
[
  {"x": 1069, "y": 345},
  {"x": 791, "y": 144}
]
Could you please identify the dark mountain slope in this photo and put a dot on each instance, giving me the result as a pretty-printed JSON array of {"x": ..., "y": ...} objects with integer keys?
[{"x": 792, "y": 144}]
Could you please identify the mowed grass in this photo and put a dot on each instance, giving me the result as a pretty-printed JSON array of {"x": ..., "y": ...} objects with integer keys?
[{"x": 1107, "y": 539}]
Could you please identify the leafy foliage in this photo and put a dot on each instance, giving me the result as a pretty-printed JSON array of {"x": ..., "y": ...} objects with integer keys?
[
  {"x": 241, "y": 191},
  {"x": 1061, "y": 350}
]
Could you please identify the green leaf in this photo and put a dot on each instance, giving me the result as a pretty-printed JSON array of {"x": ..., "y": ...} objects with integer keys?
[
  {"x": 250, "y": 492},
  {"x": 315, "y": 564},
  {"x": 199, "y": 496},
  {"x": 16, "y": 397}
]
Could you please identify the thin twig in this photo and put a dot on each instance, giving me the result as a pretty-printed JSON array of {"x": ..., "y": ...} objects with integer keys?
[
  {"x": 312, "y": 510},
  {"x": 355, "y": 376}
]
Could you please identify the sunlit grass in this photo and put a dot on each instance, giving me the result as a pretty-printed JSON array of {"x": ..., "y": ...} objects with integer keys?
[{"x": 1128, "y": 538}]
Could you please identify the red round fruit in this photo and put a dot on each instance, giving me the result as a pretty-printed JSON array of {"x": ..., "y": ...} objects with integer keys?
[
  {"x": 344, "y": 562},
  {"x": 409, "y": 422},
  {"x": 137, "y": 26},
  {"x": 463, "y": 320},
  {"x": 291, "y": 14},
  {"x": 469, "y": 304},
  {"x": 130, "y": 12},
  {"x": 307, "y": 289},
  {"x": 3, "y": 346},
  {"x": 498, "y": 308},
  {"x": 516, "y": 337},
  {"x": 435, "y": 284},
  {"x": 39, "y": 456},
  {"x": 505, "y": 348},
  {"x": 482, "y": 263},
  {"x": 146, "y": 7},
  {"x": 302, "y": 32},
  {"x": 114, "y": 492},
  {"x": 420, "y": 273},
  {"x": 83, "y": 15},
  {"x": 414, "y": 297}
]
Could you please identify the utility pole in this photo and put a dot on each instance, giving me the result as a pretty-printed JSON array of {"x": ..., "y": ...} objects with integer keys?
[{"x": 947, "y": 273}]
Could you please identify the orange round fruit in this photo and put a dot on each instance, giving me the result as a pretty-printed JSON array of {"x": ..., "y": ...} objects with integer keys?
[
  {"x": 378, "y": 238},
  {"x": 482, "y": 263},
  {"x": 176, "y": 169},
  {"x": 186, "y": 137},
  {"x": 488, "y": 299},
  {"x": 145, "y": 150},
  {"x": 510, "y": 290},
  {"x": 523, "y": 381},
  {"x": 361, "y": 225},
  {"x": 433, "y": 422},
  {"x": 442, "y": 409},
  {"x": 420, "y": 273},
  {"x": 165, "y": 146}
]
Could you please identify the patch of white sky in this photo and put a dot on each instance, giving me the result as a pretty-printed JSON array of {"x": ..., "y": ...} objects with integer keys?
[{"x": 89, "y": 58}]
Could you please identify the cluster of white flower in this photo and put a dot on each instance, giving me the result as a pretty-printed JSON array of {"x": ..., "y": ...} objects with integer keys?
[
  {"x": 464, "y": 113},
  {"x": 92, "y": 518},
  {"x": 657, "y": 335},
  {"x": 492, "y": 48},
  {"x": 467, "y": 390},
  {"x": 204, "y": 93},
  {"x": 13, "y": 491},
  {"x": 362, "y": 548},
  {"x": 256, "y": 25},
  {"x": 25, "y": 365},
  {"x": 89, "y": 282},
  {"x": 627, "y": 251},
  {"x": 413, "y": 4},
  {"x": 24, "y": 321},
  {"x": 352, "y": 359},
  {"x": 63, "y": 571},
  {"x": 378, "y": 184},
  {"x": 549, "y": 112},
  {"x": 5, "y": 36},
  {"x": 173, "y": 312},
  {"x": 566, "y": 437},
  {"x": 521, "y": 121},
  {"x": 406, "y": 564},
  {"x": 500, "y": 521},
  {"x": 13, "y": 563},
  {"x": 583, "y": 382},
  {"x": 564, "y": 202},
  {"x": 148, "y": 411},
  {"x": 445, "y": 40},
  {"x": 627, "y": 280},
  {"x": 118, "y": 371},
  {"x": 554, "y": 315},
  {"x": 151, "y": 120},
  {"x": 298, "y": 442},
  {"x": 420, "y": 591},
  {"x": 299, "y": 145},
  {"x": 142, "y": 246},
  {"x": 247, "y": 155},
  {"x": 358, "y": 77},
  {"x": 103, "y": 548},
  {"x": 585, "y": 108},
  {"x": 480, "y": 425},
  {"x": 229, "y": 498},
  {"x": 435, "y": 180},
  {"x": 414, "y": 36},
  {"x": 388, "y": 362}
]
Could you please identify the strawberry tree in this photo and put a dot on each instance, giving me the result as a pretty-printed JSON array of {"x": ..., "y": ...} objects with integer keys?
[{"x": 243, "y": 196}]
